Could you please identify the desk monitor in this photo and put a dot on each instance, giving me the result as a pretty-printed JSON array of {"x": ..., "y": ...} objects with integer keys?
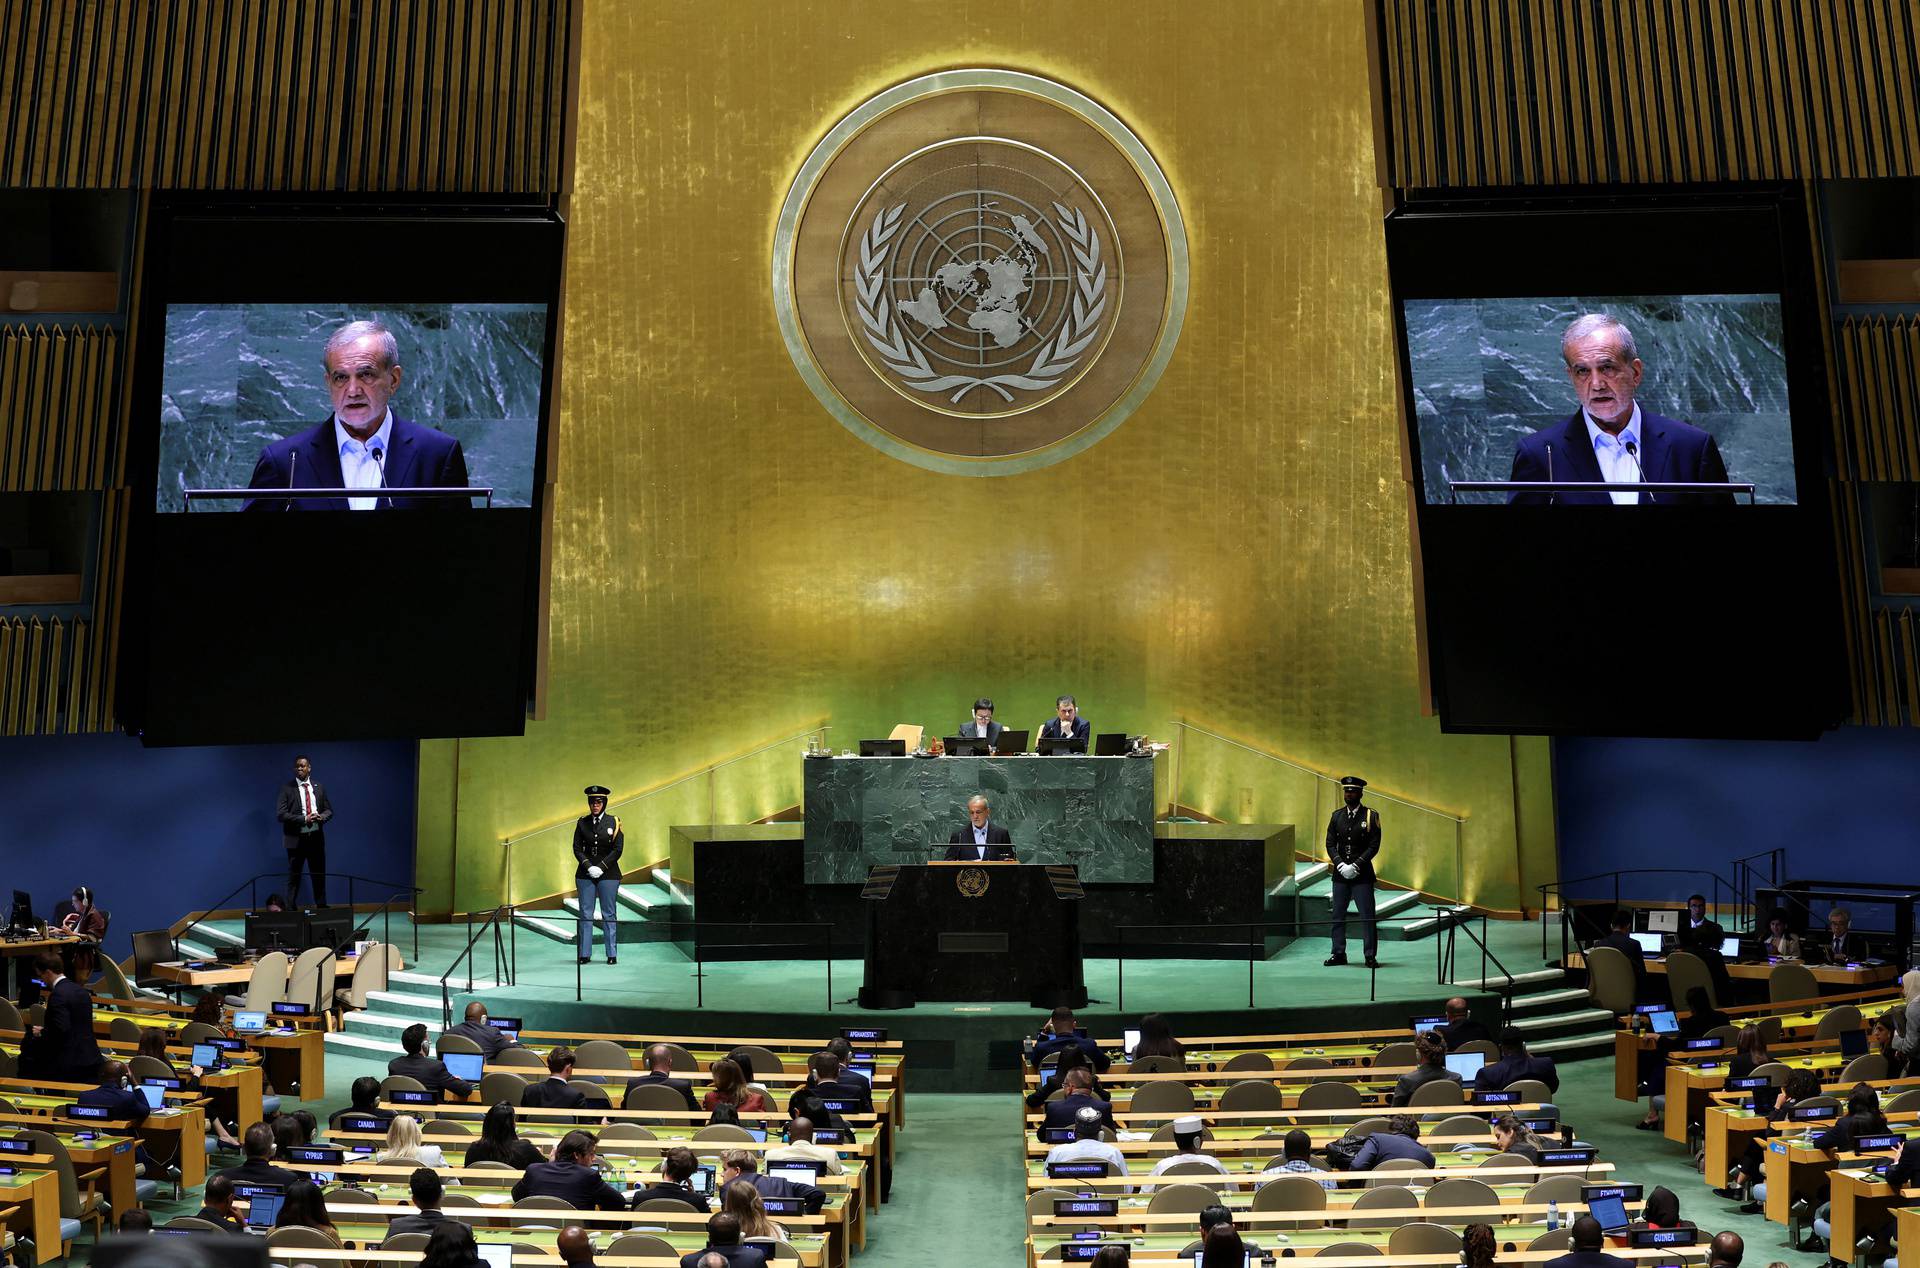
[
  {"x": 1663, "y": 1022},
  {"x": 1663, "y": 920},
  {"x": 1060, "y": 746},
  {"x": 1129, "y": 1040},
  {"x": 965, "y": 746},
  {"x": 1651, "y": 943},
  {"x": 883, "y": 748},
  {"x": 1012, "y": 741},
  {"x": 495, "y": 1254},
  {"x": 21, "y": 918},
  {"x": 263, "y": 1209},
  {"x": 331, "y": 927},
  {"x": 465, "y": 1066},
  {"x": 797, "y": 1171},
  {"x": 206, "y": 1056},
  {"x": 156, "y": 1096},
  {"x": 276, "y": 931},
  {"x": 1853, "y": 1043},
  {"x": 1730, "y": 947},
  {"x": 1418, "y": 1024},
  {"x": 1610, "y": 1211},
  {"x": 1466, "y": 1064},
  {"x": 862, "y": 1072},
  {"x": 247, "y": 1020},
  {"x": 1112, "y": 744}
]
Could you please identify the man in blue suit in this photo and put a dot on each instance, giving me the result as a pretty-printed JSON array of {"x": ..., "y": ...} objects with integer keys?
[
  {"x": 1610, "y": 438},
  {"x": 1067, "y": 724},
  {"x": 363, "y": 445}
]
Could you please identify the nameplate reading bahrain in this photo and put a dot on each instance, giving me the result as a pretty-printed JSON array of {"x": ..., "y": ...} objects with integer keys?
[{"x": 980, "y": 272}]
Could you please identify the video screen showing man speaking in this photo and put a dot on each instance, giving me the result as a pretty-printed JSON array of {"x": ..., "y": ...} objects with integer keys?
[
  {"x": 1687, "y": 390},
  {"x": 280, "y": 397}
]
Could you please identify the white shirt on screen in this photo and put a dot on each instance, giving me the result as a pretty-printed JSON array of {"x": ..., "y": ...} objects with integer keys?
[
  {"x": 358, "y": 470},
  {"x": 1617, "y": 466}
]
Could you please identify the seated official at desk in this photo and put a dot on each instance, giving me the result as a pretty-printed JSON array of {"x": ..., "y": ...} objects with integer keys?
[
  {"x": 1401, "y": 1139},
  {"x": 1841, "y": 945},
  {"x": 983, "y": 727},
  {"x": 432, "y": 1072},
  {"x": 1782, "y": 941},
  {"x": 571, "y": 1175},
  {"x": 1516, "y": 1063},
  {"x": 555, "y": 1091},
  {"x": 491, "y": 1040},
  {"x": 1586, "y": 1238},
  {"x": 1060, "y": 1033},
  {"x": 826, "y": 1083},
  {"x": 723, "y": 1242},
  {"x": 1079, "y": 1095},
  {"x": 660, "y": 1073},
  {"x": 737, "y": 1166},
  {"x": 982, "y": 839},
  {"x": 1430, "y": 1066},
  {"x": 257, "y": 1143},
  {"x": 365, "y": 1102},
  {"x": 216, "y": 1205},
  {"x": 1698, "y": 933},
  {"x": 79, "y": 915},
  {"x": 677, "y": 1166},
  {"x": 1621, "y": 940},
  {"x": 1066, "y": 722},
  {"x": 1461, "y": 1028}
]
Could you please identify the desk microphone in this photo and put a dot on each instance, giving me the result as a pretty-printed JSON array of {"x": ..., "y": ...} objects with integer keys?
[
  {"x": 1633, "y": 451},
  {"x": 1550, "y": 492}
]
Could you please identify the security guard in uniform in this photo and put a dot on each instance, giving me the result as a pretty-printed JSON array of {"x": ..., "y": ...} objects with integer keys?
[
  {"x": 597, "y": 842},
  {"x": 1353, "y": 838}
]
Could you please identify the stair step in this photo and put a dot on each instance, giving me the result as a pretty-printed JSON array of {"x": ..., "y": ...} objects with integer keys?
[
  {"x": 1497, "y": 981},
  {"x": 213, "y": 933},
  {"x": 1548, "y": 999},
  {"x": 557, "y": 925},
  {"x": 341, "y": 1039},
  {"x": 643, "y": 898},
  {"x": 366, "y": 1020},
  {"x": 426, "y": 1005},
  {"x": 409, "y": 977},
  {"x": 1558, "y": 1021},
  {"x": 1572, "y": 1047},
  {"x": 1395, "y": 903}
]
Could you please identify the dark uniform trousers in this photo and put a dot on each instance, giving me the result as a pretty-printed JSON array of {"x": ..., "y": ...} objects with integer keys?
[{"x": 1353, "y": 836}]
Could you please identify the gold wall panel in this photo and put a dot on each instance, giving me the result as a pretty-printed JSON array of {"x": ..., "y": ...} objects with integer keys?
[
  {"x": 57, "y": 406},
  {"x": 1879, "y": 396},
  {"x": 730, "y": 564},
  {"x": 465, "y": 95},
  {"x": 1494, "y": 92}
]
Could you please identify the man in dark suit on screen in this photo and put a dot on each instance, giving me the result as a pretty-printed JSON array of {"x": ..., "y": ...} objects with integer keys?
[
  {"x": 982, "y": 840},
  {"x": 363, "y": 445},
  {"x": 1610, "y": 438}
]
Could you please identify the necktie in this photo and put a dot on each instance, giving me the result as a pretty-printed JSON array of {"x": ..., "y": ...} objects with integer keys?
[{"x": 306, "y": 797}]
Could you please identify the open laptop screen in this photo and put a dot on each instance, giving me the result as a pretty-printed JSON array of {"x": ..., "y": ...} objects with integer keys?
[{"x": 1466, "y": 1064}]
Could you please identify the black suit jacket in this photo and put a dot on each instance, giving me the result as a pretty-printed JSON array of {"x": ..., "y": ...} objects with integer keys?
[
  {"x": 962, "y": 847},
  {"x": 66, "y": 1049},
  {"x": 417, "y": 457},
  {"x": 125, "y": 1104},
  {"x": 1354, "y": 839},
  {"x": 552, "y": 1094},
  {"x": 682, "y": 1086},
  {"x": 288, "y": 810},
  {"x": 678, "y": 1192},
  {"x": 1669, "y": 450},
  {"x": 1635, "y": 953},
  {"x": 1082, "y": 729},
  {"x": 490, "y": 1041},
  {"x": 425, "y": 1222},
  {"x": 1589, "y": 1259},
  {"x": 226, "y": 1222},
  {"x": 1060, "y": 1113},
  {"x": 579, "y": 1185},
  {"x": 259, "y": 1171},
  {"x": 736, "y": 1256},
  {"x": 432, "y": 1073},
  {"x": 1464, "y": 1031},
  {"x": 811, "y": 1197},
  {"x": 1853, "y": 947},
  {"x": 971, "y": 731},
  {"x": 598, "y": 844}
]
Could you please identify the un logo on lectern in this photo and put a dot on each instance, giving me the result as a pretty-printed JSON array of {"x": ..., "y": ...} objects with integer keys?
[
  {"x": 971, "y": 882},
  {"x": 980, "y": 272}
]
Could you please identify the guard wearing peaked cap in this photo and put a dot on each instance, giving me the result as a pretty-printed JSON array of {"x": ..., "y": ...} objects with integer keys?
[
  {"x": 1353, "y": 838},
  {"x": 597, "y": 843}
]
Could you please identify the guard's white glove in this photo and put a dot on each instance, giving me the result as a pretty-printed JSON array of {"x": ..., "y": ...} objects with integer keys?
[
  {"x": 594, "y": 872},
  {"x": 1348, "y": 871}
]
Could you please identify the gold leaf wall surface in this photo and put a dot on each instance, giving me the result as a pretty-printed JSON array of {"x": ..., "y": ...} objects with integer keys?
[{"x": 730, "y": 564}]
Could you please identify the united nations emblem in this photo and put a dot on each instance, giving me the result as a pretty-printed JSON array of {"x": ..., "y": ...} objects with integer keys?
[
  {"x": 980, "y": 272},
  {"x": 971, "y": 881}
]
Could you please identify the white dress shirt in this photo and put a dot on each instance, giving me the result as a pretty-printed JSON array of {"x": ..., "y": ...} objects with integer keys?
[
  {"x": 1090, "y": 1150},
  {"x": 309, "y": 805},
  {"x": 358, "y": 470},
  {"x": 1617, "y": 466}
]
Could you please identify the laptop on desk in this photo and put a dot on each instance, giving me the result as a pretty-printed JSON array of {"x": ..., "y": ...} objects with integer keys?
[
  {"x": 965, "y": 746},
  {"x": 1112, "y": 744},
  {"x": 1012, "y": 741},
  {"x": 1060, "y": 746}
]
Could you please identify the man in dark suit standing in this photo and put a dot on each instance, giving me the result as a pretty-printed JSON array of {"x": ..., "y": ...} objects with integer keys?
[
  {"x": 983, "y": 727},
  {"x": 304, "y": 810},
  {"x": 1353, "y": 838},
  {"x": 432, "y": 1072},
  {"x": 982, "y": 840},
  {"x": 1067, "y": 724},
  {"x": 362, "y": 445},
  {"x": 660, "y": 1073},
  {"x": 553, "y": 1092},
  {"x": 65, "y": 1050},
  {"x": 1611, "y": 439}
]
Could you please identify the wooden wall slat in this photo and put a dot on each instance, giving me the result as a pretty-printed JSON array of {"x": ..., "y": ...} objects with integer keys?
[
  {"x": 1662, "y": 90},
  {"x": 457, "y": 95}
]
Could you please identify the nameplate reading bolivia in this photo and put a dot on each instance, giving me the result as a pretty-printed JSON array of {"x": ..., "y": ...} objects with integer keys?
[{"x": 980, "y": 272}]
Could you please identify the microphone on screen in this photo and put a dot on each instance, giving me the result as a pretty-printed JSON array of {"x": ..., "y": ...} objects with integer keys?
[
  {"x": 1550, "y": 492},
  {"x": 1633, "y": 451},
  {"x": 380, "y": 462},
  {"x": 292, "y": 466}
]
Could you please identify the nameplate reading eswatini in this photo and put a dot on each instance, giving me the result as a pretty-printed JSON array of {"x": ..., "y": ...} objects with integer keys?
[{"x": 1093, "y": 812}]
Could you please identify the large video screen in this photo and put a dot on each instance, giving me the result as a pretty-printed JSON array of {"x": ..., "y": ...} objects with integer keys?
[
  {"x": 330, "y": 394},
  {"x": 338, "y": 453},
  {"x": 1602, "y": 389},
  {"x": 1654, "y": 348}
]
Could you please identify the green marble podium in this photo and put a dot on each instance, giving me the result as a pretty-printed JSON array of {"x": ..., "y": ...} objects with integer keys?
[{"x": 1093, "y": 812}]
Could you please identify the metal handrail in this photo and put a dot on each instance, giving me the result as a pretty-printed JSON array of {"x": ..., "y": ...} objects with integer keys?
[
  {"x": 707, "y": 772},
  {"x": 1254, "y": 942},
  {"x": 1444, "y": 959},
  {"x": 500, "y": 955},
  {"x": 251, "y": 884},
  {"x": 699, "y": 968}
]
